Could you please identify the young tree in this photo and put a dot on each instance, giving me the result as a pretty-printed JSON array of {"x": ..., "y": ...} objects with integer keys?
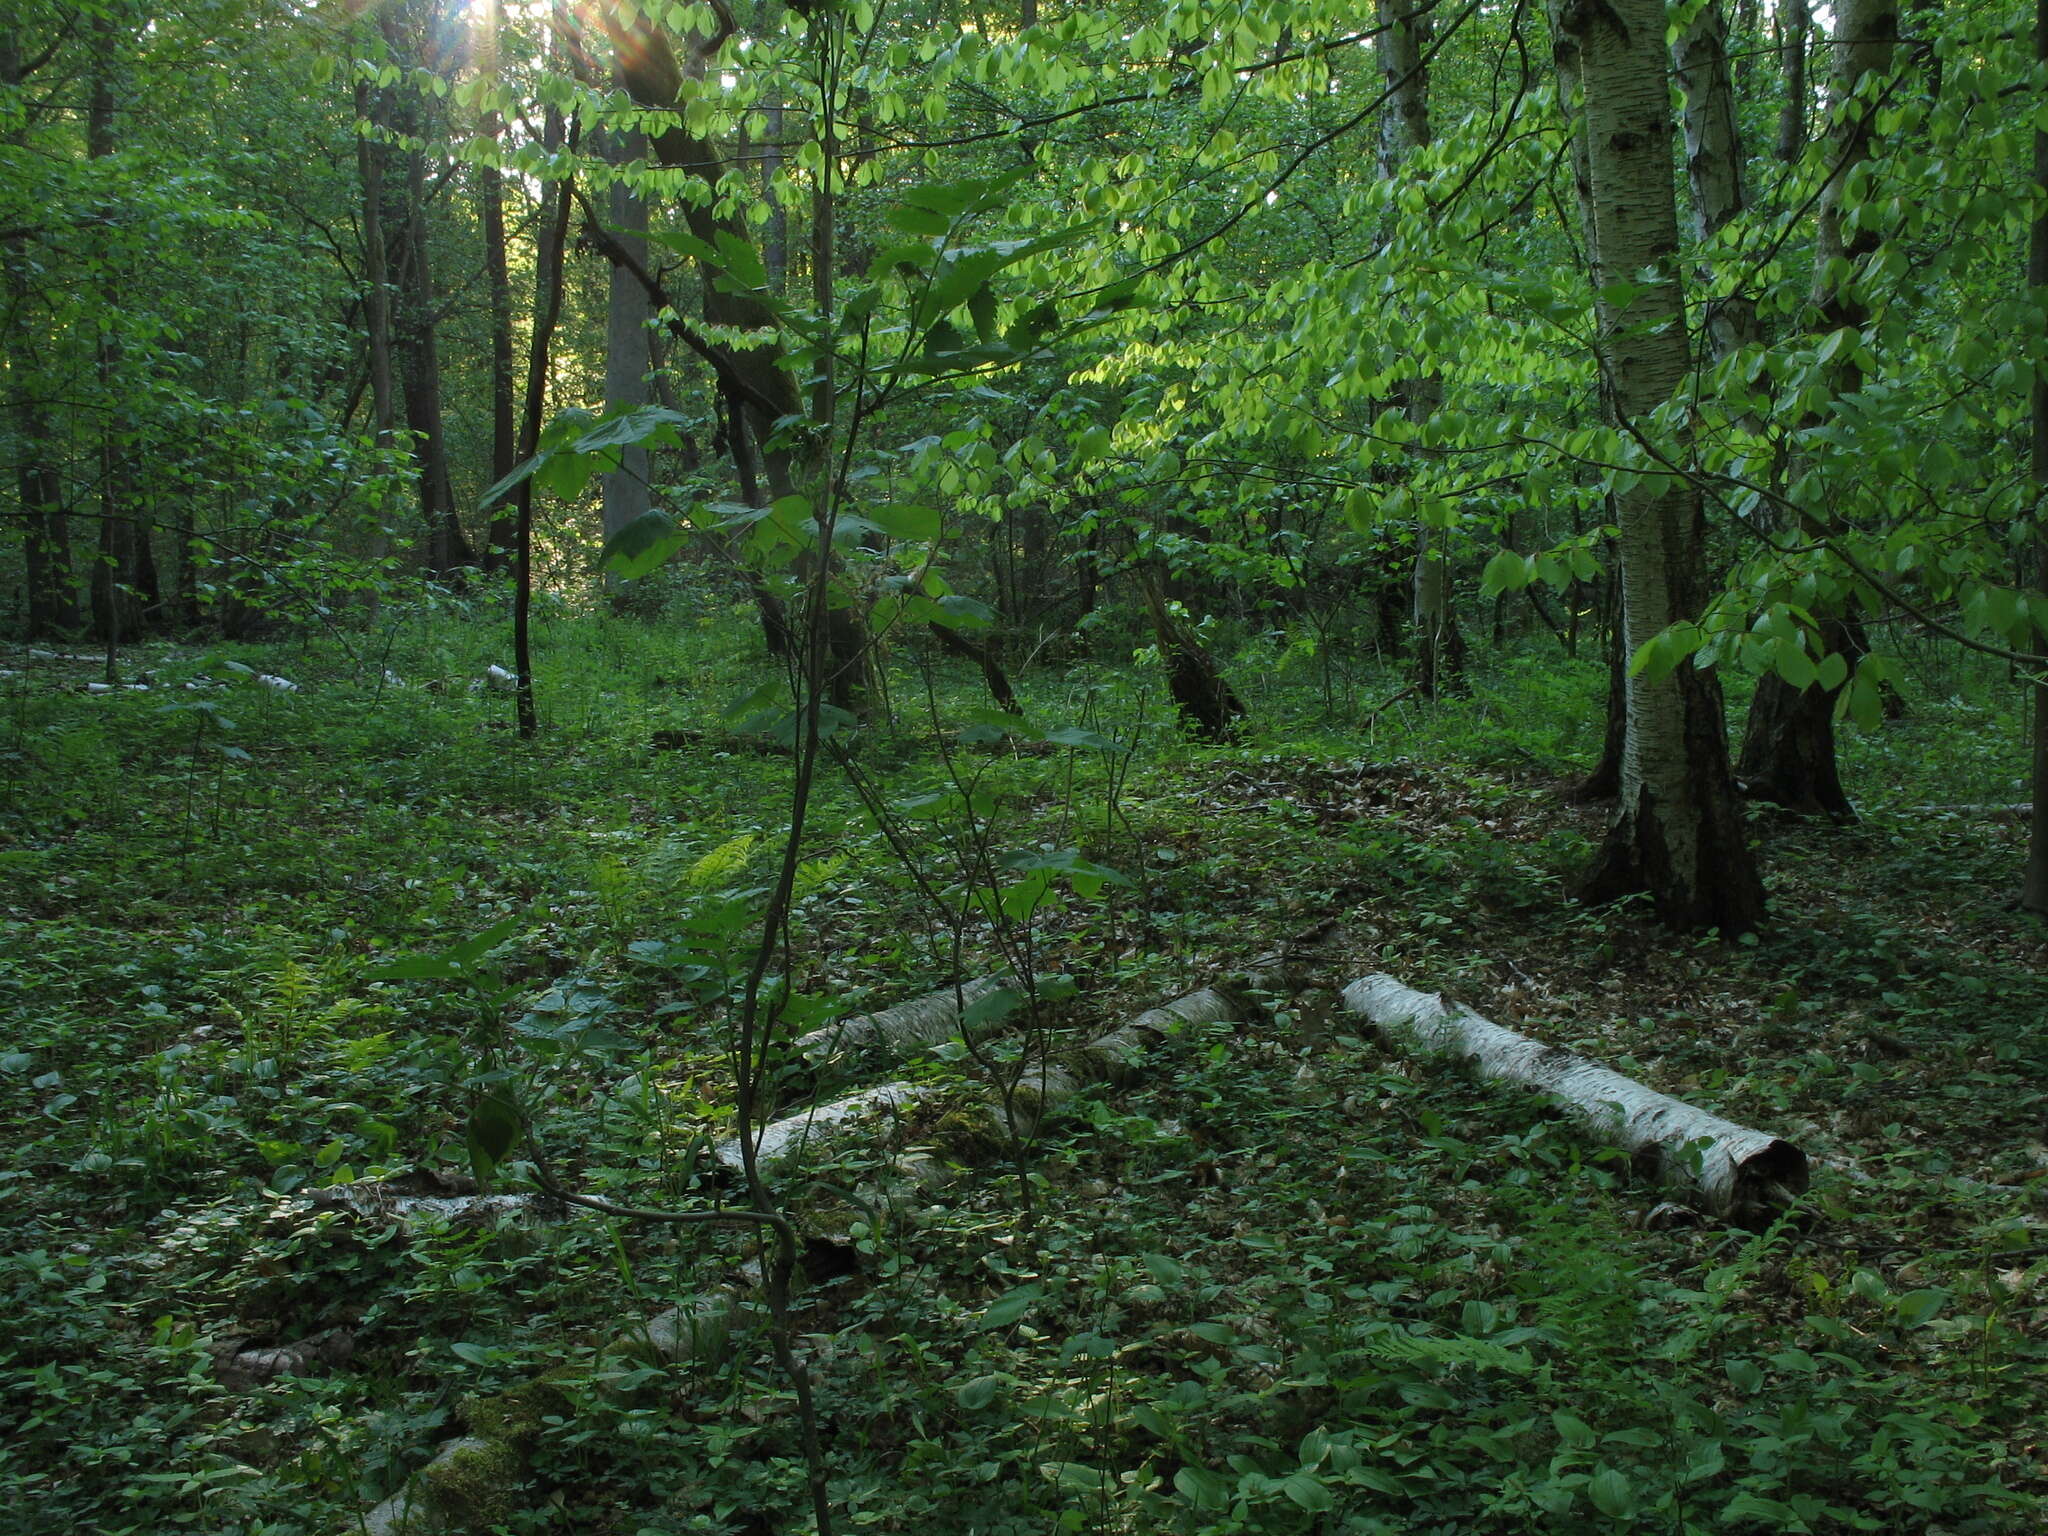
[
  {"x": 628, "y": 356},
  {"x": 1788, "y": 747},
  {"x": 1403, "y": 48}
]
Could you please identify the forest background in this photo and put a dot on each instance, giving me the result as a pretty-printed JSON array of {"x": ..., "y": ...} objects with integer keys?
[{"x": 558, "y": 551}]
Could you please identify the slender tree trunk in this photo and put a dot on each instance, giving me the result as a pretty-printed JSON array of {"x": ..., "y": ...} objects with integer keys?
[
  {"x": 627, "y": 355},
  {"x": 124, "y": 580},
  {"x": 2034, "y": 890},
  {"x": 1713, "y": 162},
  {"x": 547, "y": 312},
  {"x": 1404, "y": 130},
  {"x": 775, "y": 233},
  {"x": 372, "y": 158},
  {"x": 1678, "y": 833},
  {"x": 1604, "y": 782},
  {"x": 1794, "y": 22},
  {"x": 773, "y": 613}
]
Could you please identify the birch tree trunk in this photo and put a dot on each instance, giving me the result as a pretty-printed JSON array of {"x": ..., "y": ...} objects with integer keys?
[
  {"x": 1678, "y": 831},
  {"x": 1404, "y": 129}
]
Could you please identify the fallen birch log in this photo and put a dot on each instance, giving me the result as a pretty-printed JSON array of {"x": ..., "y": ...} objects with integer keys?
[
  {"x": 1724, "y": 1168},
  {"x": 875, "y": 1113},
  {"x": 923, "y": 1020}
]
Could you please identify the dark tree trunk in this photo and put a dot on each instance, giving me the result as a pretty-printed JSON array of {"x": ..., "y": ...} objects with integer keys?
[
  {"x": 2034, "y": 888},
  {"x": 790, "y": 461},
  {"x": 1604, "y": 782},
  {"x": 371, "y": 163},
  {"x": 45, "y": 527},
  {"x": 773, "y": 614},
  {"x": 1788, "y": 750},
  {"x": 415, "y": 334},
  {"x": 1794, "y": 20},
  {"x": 1200, "y": 691},
  {"x": 124, "y": 584},
  {"x": 547, "y": 311},
  {"x": 983, "y": 654},
  {"x": 46, "y": 531},
  {"x": 1788, "y": 746},
  {"x": 626, "y": 496}
]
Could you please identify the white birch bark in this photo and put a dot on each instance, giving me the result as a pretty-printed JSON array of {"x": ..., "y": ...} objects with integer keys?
[
  {"x": 875, "y": 1114},
  {"x": 1725, "y": 1168},
  {"x": 897, "y": 1031},
  {"x": 1678, "y": 831}
]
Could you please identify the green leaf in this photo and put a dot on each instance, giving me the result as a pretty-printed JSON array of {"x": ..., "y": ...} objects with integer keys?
[
  {"x": 1073, "y": 1476},
  {"x": 992, "y": 1009},
  {"x": 1792, "y": 663},
  {"x": 1091, "y": 445},
  {"x": 910, "y": 524},
  {"x": 1918, "y": 1307},
  {"x": 1611, "y": 1494},
  {"x": 1573, "y": 1430},
  {"x": 957, "y": 612},
  {"x": 740, "y": 261},
  {"x": 642, "y": 546},
  {"x": 1202, "y": 1488},
  {"x": 1167, "y": 1271},
  {"x": 978, "y": 1393},
  {"x": 1308, "y": 1491},
  {"x": 473, "y": 949},
  {"x": 493, "y": 1128},
  {"x": 1505, "y": 572},
  {"x": 981, "y": 307},
  {"x": 1009, "y": 1307},
  {"x": 1031, "y": 328},
  {"x": 918, "y": 221},
  {"x": 497, "y": 492}
]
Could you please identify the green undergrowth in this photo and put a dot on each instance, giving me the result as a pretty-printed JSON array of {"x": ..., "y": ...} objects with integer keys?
[{"x": 1278, "y": 1282}]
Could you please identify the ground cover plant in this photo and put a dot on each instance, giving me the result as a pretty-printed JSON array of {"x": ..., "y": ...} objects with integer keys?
[
  {"x": 1278, "y": 1279},
  {"x": 984, "y": 765}
]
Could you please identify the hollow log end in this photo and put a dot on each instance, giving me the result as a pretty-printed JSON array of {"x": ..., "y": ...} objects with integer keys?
[{"x": 1766, "y": 1183}]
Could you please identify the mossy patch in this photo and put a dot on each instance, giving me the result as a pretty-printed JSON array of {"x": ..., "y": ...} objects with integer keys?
[{"x": 474, "y": 1482}]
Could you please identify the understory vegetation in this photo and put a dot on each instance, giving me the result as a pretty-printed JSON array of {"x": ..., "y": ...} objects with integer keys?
[{"x": 1274, "y": 1279}]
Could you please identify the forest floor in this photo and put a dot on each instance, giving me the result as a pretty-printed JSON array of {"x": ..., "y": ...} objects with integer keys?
[{"x": 1279, "y": 1281}]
